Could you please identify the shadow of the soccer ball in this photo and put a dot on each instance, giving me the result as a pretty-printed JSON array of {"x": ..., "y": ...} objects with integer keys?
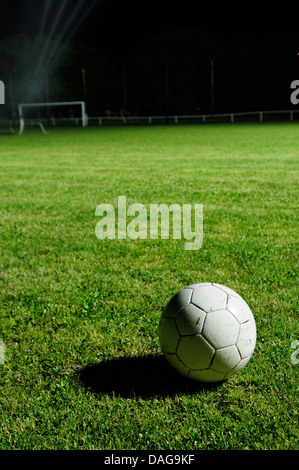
[{"x": 145, "y": 376}]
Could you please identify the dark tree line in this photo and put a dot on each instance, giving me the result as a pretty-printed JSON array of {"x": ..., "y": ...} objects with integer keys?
[{"x": 175, "y": 72}]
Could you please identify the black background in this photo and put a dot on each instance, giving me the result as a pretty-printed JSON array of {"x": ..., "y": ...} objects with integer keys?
[{"x": 155, "y": 57}]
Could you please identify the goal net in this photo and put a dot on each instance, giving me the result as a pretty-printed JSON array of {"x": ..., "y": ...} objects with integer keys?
[{"x": 52, "y": 114}]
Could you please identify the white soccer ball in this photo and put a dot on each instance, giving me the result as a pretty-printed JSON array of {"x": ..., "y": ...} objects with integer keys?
[{"x": 207, "y": 332}]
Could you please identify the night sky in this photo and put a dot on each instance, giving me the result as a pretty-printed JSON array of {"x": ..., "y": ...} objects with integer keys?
[
  {"x": 127, "y": 23},
  {"x": 120, "y": 29}
]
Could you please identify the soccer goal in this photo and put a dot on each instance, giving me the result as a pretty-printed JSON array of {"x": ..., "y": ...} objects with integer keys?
[{"x": 40, "y": 113}]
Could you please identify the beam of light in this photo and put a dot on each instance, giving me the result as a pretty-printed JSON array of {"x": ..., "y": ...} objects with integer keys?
[
  {"x": 52, "y": 51},
  {"x": 45, "y": 16},
  {"x": 49, "y": 38},
  {"x": 63, "y": 32},
  {"x": 50, "y": 62}
]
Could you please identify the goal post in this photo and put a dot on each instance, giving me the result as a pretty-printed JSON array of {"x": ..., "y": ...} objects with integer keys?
[{"x": 21, "y": 107}]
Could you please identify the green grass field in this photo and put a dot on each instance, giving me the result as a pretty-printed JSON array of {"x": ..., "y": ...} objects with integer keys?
[{"x": 79, "y": 316}]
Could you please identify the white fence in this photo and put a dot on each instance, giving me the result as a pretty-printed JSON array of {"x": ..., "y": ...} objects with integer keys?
[
  {"x": 259, "y": 116},
  {"x": 253, "y": 116}
]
